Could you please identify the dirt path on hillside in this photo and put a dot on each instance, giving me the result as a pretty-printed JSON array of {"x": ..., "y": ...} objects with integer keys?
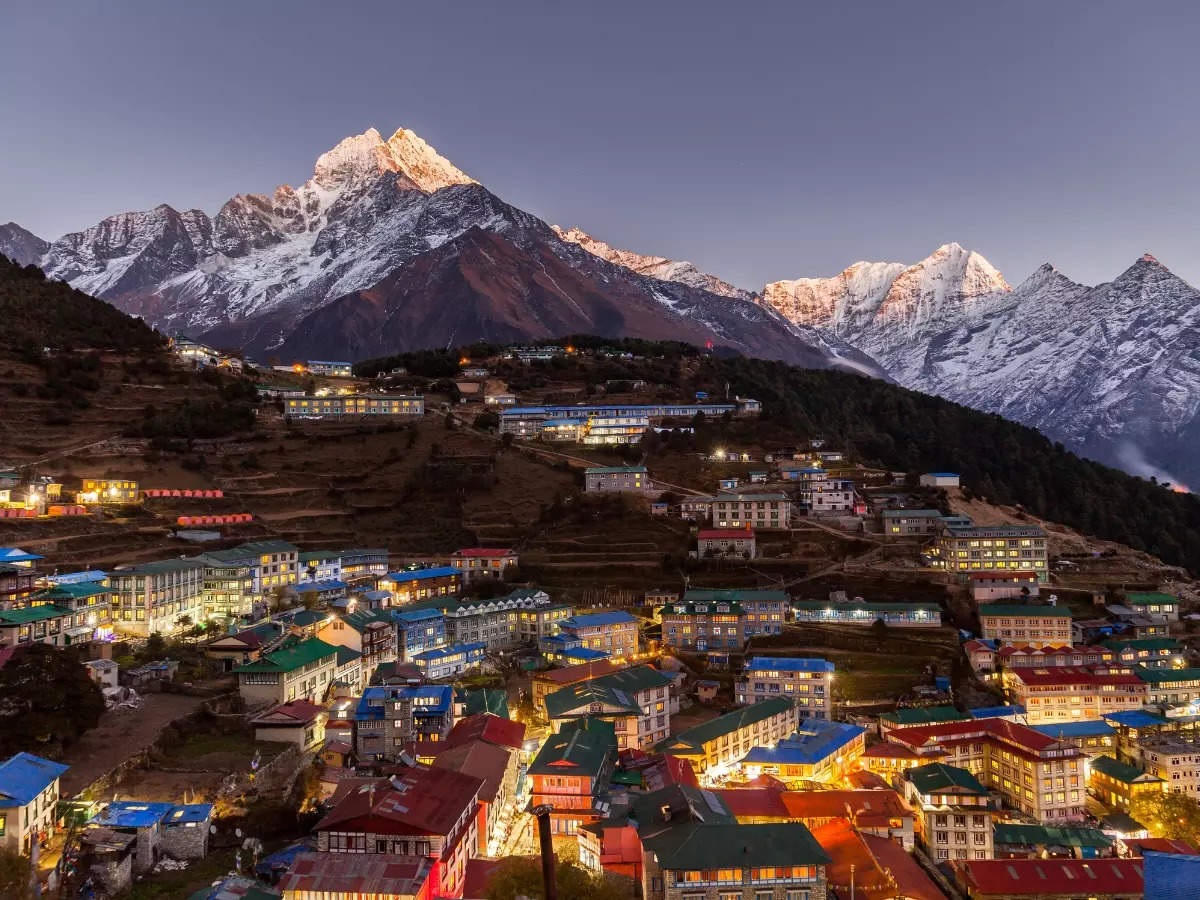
[{"x": 122, "y": 733}]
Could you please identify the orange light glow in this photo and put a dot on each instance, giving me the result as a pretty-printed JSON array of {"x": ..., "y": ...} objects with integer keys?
[{"x": 297, "y": 367}]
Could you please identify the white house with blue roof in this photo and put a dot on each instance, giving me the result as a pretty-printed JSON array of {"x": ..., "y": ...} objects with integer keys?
[{"x": 28, "y": 800}]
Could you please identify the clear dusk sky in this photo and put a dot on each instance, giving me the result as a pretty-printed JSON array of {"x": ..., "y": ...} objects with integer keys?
[{"x": 759, "y": 140}]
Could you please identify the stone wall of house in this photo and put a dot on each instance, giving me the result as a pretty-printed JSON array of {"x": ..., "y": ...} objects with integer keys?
[{"x": 184, "y": 842}]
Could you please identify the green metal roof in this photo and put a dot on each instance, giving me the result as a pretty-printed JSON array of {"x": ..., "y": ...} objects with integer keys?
[
  {"x": 1023, "y": 609},
  {"x": 260, "y": 547},
  {"x": 616, "y": 470},
  {"x": 582, "y": 747},
  {"x": 1050, "y": 835},
  {"x": 1167, "y": 676},
  {"x": 1150, "y": 598},
  {"x": 73, "y": 591},
  {"x": 491, "y": 700},
  {"x": 935, "y": 778},
  {"x": 290, "y": 657},
  {"x": 617, "y": 689},
  {"x": 1120, "y": 771},
  {"x": 158, "y": 567},
  {"x": 31, "y": 614},
  {"x": 365, "y": 618},
  {"x": 711, "y": 846},
  {"x": 705, "y": 595},
  {"x": 925, "y": 715},
  {"x": 696, "y": 737}
]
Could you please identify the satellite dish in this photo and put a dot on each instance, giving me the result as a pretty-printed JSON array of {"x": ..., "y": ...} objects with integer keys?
[
  {"x": 212, "y": 829},
  {"x": 237, "y": 832}
]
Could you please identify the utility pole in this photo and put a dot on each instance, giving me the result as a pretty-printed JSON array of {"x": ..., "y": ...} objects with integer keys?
[{"x": 542, "y": 813}]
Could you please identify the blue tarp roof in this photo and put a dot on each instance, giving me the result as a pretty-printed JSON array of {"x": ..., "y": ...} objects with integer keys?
[
  {"x": 782, "y": 664},
  {"x": 131, "y": 814},
  {"x": 1092, "y": 728},
  {"x": 24, "y": 776},
  {"x": 190, "y": 812},
  {"x": 1134, "y": 718}
]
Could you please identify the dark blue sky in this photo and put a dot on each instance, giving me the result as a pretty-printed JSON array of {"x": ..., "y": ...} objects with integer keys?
[{"x": 761, "y": 141}]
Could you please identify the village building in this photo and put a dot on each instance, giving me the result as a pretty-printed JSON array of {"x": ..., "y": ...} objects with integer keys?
[
  {"x": 615, "y": 479},
  {"x": 422, "y": 812},
  {"x": 16, "y": 584},
  {"x": 955, "y": 811},
  {"x": 571, "y": 774},
  {"x": 867, "y": 613},
  {"x": 29, "y": 793},
  {"x": 1094, "y": 737},
  {"x": 906, "y": 523},
  {"x": 449, "y": 661},
  {"x": 616, "y": 632},
  {"x": 990, "y": 586},
  {"x": 107, "y": 491},
  {"x": 1157, "y": 605},
  {"x": 818, "y": 750},
  {"x": 162, "y": 597},
  {"x": 808, "y": 683},
  {"x": 1051, "y": 879},
  {"x": 829, "y": 497},
  {"x": 1153, "y": 653},
  {"x": 917, "y": 717},
  {"x": 416, "y": 585},
  {"x": 718, "y": 542},
  {"x": 548, "y": 681},
  {"x": 1118, "y": 785},
  {"x": 296, "y": 722},
  {"x": 298, "y": 669},
  {"x": 520, "y": 618},
  {"x": 497, "y": 766},
  {"x": 1176, "y": 763},
  {"x": 1026, "y": 625},
  {"x": 1024, "y": 656},
  {"x": 418, "y": 630},
  {"x": 1170, "y": 687},
  {"x": 939, "y": 479},
  {"x": 1014, "y": 840},
  {"x": 370, "y": 633},
  {"x": 333, "y": 368},
  {"x": 761, "y": 511},
  {"x": 636, "y": 700},
  {"x": 228, "y": 591},
  {"x": 476, "y": 562},
  {"x": 963, "y": 549},
  {"x": 1067, "y": 694},
  {"x": 716, "y": 745},
  {"x": 319, "y": 565},
  {"x": 390, "y": 717},
  {"x": 337, "y": 406}
]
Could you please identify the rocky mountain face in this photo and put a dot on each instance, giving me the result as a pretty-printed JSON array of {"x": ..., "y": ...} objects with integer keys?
[
  {"x": 21, "y": 246},
  {"x": 389, "y": 232}
]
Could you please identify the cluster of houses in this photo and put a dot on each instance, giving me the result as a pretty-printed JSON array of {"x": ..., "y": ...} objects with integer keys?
[{"x": 609, "y": 424}]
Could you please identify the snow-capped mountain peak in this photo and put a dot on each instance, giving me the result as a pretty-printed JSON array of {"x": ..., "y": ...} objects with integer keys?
[{"x": 368, "y": 155}]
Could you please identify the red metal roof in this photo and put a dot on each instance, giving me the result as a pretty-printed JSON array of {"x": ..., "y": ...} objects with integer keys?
[
  {"x": 419, "y": 801},
  {"x": 754, "y": 804},
  {"x": 356, "y": 874},
  {"x": 874, "y": 878},
  {"x": 488, "y": 727},
  {"x": 720, "y": 533},
  {"x": 484, "y": 552},
  {"x": 1012, "y": 733},
  {"x": 482, "y": 760},
  {"x": 1161, "y": 845},
  {"x": 888, "y": 750},
  {"x": 869, "y": 808},
  {"x": 1068, "y": 675},
  {"x": 1047, "y": 877},
  {"x": 582, "y": 672}
]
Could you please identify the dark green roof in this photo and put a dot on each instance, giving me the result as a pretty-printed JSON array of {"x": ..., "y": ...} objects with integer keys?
[
  {"x": 939, "y": 778},
  {"x": 1150, "y": 598},
  {"x": 365, "y": 618},
  {"x": 696, "y": 737},
  {"x": 347, "y": 655},
  {"x": 158, "y": 567},
  {"x": 80, "y": 591},
  {"x": 260, "y": 547},
  {"x": 687, "y": 804},
  {"x": 1050, "y": 835},
  {"x": 737, "y": 595},
  {"x": 1167, "y": 676},
  {"x": 30, "y": 614},
  {"x": 703, "y": 846},
  {"x": 492, "y": 700},
  {"x": 924, "y": 715},
  {"x": 315, "y": 555},
  {"x": 290, "y": 657},
  {"x": 1120, "y": 771},
  {"x": 1024, "y": 609},
  {"x": 616, "y": 689},
  {"x": 582, "y": 747}
]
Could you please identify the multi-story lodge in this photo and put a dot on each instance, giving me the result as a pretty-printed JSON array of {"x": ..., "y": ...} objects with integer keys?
[
  {"x": 963, "y": 549},
  {"x": 336, "y": 368},
  {"x": 64, "y": 615},
  {"x": 390, "y": 717},
  {"x": 1026, "y": 625},
  {"x": 818, "y": 750},
  {"x": 636, "y": 700},
  {"x": 1170, "y": 687},
  {"x": 336, "y": 406},
  {"x": 1118, "y": 784},
  {"x": 615, "y": 479},
  {"x": 763, "y": 511},
  {"x": 421, "y": 812},
  {"x": 866, "y": 613},
  {"x": 1022, "y": 657},
  {"x": 1038, "y": 774},
  {"x": 502, "y": 623},
  {"x": 1176, "y": 763},
  {"x": 735, "y": 542},
  {"x": 1153, "y": 653},
  {"x": 160, "y": 597},
  {"x": 363, "y": 565},
  {"x": 28, "y": 801},
  {"x": 450, "y": 661},
  {"x": 1068, "y": 694},
  {"x": 477, "y": 562},
  {"x": 615, "y": 633},
  {"x": 551, "y": 680},
  {"x": 368, "y": 632},
  {"x": 415, "y": 585},
  {"x": 271, "y": 563},
  {"x": 107, "y": 490},
  {"x": 808, "y": 683},
  {"x": 418, "y": 630},
  {"x": 722, "y": 620},
  {"x": 955, "y": 811},
  {"x": 571, "y": 773},
  {"x": 228, "y": 586},
  {"x": 296, "y": 670},
  {"x": 831, "y": 497},
  {"x": 898, "y": 523},
  {"x": 1158, "y": 606},
  {"x": 528, "y": 422},
  {"x": 721, "y": 742},
  {"x": 1007, "y": 585}
]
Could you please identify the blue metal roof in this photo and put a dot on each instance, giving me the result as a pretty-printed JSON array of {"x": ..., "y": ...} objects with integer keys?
[
  {"x": 616, "y": 617},
  {"x": 416, "y": 615},
  {"x": 376, "y": 595},
  {"x": 77, "y": 577},
  {"x": 190, "y": 812},
  {"x": 1134, "y": 718},
  {"x": 24, "y": 776},
  {"x": 443, "y": 652},
  {"x": 420, "y": 574},
  {"x": 586, "y": 654},
  {"x": 813, "y": 741},
  {"x": 16, "y": 555},
  {"x": 782, "y": 664},
  {"x": 1092, "y": 728},
  {"x": 441, "y": 695},
  {"x": 131, "y": 814},
  {"x": 943, "y": 474},
  {"x": 996, "y": 712}
]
